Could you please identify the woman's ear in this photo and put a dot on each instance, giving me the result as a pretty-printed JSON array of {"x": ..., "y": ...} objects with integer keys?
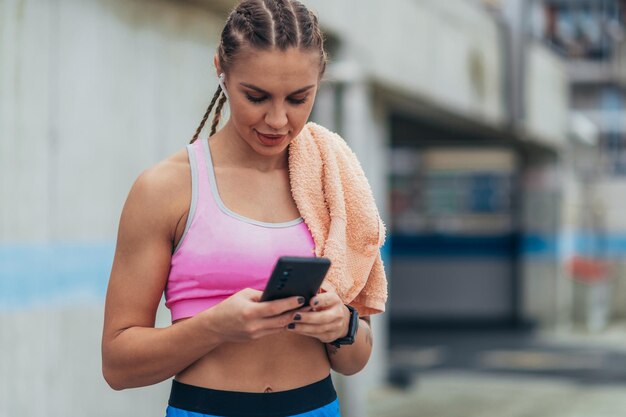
[
  {"x": 220, "y": 76},
  {"x": 216, "y": 62}
]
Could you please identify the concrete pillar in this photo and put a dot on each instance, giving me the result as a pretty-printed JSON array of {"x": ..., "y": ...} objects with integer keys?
[
  {"x": 516, "y": 15},
  {"x": 324, "y": 110}
]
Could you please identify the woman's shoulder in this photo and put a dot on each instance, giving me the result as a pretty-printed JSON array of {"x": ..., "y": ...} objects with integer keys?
[
  {"x": 164, "y": 185},
  {"x": 165, "y": 175}
]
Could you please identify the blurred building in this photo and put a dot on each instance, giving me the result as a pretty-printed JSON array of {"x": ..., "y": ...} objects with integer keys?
[
  {"x": 590, "y": 37},
  {"x": 474, "y": 117},
  {"x": 458, "y": 110}
]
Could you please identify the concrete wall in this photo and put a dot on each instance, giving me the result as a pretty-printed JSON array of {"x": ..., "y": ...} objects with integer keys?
[
  {"x": 93, "y": 87},
  {"x": 91, "y": 93},
  {"x": 50, "y": 366}
]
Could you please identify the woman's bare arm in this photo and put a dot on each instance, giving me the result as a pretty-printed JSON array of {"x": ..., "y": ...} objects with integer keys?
[
  {"x": 350, "y": 359},
  {"x": 134, "y": 353}
]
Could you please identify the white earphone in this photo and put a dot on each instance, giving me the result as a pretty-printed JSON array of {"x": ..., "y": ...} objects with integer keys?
[{"x": 220, "y": 80}]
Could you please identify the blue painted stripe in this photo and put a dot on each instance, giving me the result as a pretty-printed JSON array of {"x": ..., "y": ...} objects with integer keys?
[
  {"x": 436, "y": 246},
  {"x": 539, "y": 245},
  {"x": 583, "y": 243},
  {"x": 42, "y": 274},
  {"x": 611, "y": 246}
]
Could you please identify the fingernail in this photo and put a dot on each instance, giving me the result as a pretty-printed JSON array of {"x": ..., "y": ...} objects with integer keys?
[
  {"x": 297, "y": 317},
  {"x": 300, "y": 300},
  {"x": 291, "y": 326}
]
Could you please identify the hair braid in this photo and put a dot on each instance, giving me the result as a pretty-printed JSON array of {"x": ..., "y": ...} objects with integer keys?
[
  {"x": 218, "y": 114},
  {"x": 284, "y": 24},
  {"x": 305, "y": 23},
  {"x": 206, "y": 115},
  {"x": 298, "y": 31},
  {"x": 311, "y": 35},
  {"x": 241, "y": 22},
  {"x": 250, "y": 23}
]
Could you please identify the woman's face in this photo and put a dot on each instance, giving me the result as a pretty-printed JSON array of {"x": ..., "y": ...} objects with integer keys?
[{"x": 271, "y": 95}]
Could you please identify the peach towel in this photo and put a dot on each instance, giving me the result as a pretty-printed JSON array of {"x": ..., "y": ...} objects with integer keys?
[{"x": 336, "y": 202}]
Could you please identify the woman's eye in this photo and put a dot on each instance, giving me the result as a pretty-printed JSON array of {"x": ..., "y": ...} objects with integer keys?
[
  {"x": 256, "y": 99},
  {"x": 293, "y": 100},
  {"x": 260, "y": 99}
]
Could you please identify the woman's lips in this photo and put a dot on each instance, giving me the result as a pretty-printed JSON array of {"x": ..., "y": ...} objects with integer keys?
[{"x": 270, "y": 140}]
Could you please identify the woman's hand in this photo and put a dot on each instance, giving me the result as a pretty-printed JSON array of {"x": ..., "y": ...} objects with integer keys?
[
  {"x": 328, "y": 318},
  {"x": 242, "y": 317}
]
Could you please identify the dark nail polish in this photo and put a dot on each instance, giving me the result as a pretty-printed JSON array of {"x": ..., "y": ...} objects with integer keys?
[
  {"x": 297, "y": 317},
  {"x": 291, "y": 326},
  {"x": 300, "y": 300}
]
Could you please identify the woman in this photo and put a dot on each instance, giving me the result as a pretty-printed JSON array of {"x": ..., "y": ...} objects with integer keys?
[{"x": 211, "y": 246}]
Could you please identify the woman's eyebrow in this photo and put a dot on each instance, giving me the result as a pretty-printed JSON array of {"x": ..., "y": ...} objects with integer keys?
[{"x": 300, "y": 90}]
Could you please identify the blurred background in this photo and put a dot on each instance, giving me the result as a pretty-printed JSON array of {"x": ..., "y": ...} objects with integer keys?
[{"x": 493, "y": 134}]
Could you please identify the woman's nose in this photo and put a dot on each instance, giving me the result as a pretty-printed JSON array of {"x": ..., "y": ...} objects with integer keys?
[{"x": 276, "y": 117}]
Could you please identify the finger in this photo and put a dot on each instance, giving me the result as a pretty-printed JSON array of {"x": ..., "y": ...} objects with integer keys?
[
  {"x": 278, "y": 322},
  {"x": 324, "y": 300},
  {"x": 317, "y": 317},
  {"x": 305, "y": 309},
  {"x": 312, "y": 330},
  {"x": 278, "y": 307}
]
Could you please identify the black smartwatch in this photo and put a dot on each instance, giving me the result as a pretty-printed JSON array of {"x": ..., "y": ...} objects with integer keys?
[{"x": 353, "y": 327}]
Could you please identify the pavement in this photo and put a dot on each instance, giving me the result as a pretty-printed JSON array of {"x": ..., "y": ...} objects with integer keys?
[{"x": 504, "y": 373}]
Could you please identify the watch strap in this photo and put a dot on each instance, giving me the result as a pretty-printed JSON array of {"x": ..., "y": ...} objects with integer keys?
[{"x": 352, "y": 329}]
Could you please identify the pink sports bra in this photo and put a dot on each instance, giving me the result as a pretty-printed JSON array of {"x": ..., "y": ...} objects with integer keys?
[{"x": 222, "y": 252}]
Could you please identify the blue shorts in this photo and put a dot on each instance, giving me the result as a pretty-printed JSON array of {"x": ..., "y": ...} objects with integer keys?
[{"x": 316, "y": 400}]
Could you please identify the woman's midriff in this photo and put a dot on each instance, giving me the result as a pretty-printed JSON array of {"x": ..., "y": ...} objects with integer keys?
[{"x": 270, "y": 364}]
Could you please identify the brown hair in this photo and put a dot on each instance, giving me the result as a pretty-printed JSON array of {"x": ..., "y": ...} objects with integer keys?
[{"x": 264, "y": 24}]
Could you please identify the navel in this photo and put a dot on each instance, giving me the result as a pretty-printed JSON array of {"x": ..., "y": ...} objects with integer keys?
[{"x": 268, "y": 390}]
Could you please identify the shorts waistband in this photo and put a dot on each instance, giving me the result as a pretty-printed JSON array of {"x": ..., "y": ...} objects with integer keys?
[{"x": 251, "y": 404}]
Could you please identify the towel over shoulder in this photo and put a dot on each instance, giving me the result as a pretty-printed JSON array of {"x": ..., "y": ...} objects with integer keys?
[{"x": 335, "y": 199}]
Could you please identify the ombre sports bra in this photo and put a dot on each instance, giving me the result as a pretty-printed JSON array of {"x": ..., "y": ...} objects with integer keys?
[{"x": 222, "y": 252}]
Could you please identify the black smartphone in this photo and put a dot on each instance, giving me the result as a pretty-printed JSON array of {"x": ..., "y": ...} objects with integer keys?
[{"x": 296, "y": 276}]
